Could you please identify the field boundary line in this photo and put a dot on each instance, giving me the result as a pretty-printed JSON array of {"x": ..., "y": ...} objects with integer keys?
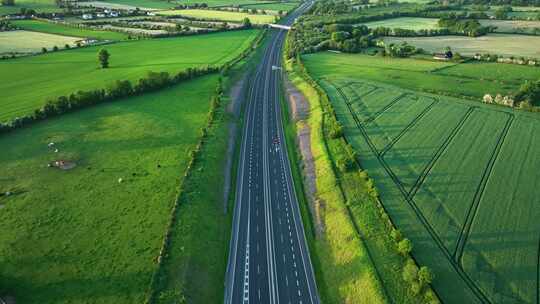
[
  {"x": 473, "y": 209},
  {"x": 538, "y": 275},
  {"x": 409, "y": 126},
  {"x": 420, "y": 180},
  {"x": 459, "y": 271}
]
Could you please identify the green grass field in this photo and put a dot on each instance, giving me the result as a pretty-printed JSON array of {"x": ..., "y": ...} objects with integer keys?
[
  {"x": 66, "y": 72},
  {"x": 42, "y": 6},
  {"x": 280, "y": 6},
  {"x": 455, "y": 176},
  {"x": 499, "y": 44},
  {"x": 408, "y": 23},
  {"x": 512, "y": 26},
  {"x": 155, "y": 4},
  {"x": 59, "y": 29},
  {"x": 220, "y": 15},
  {"x": 472, "y": 80},
  {"x": 214, "y": 3},
  {"x": 32, "y": 42},
  {"x": 80, "y": 236}
]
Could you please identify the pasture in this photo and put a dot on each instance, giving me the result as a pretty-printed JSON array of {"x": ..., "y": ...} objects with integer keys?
[
  {"x": 455, "y": 175},
  {"x": 220, "y": 15},
  {"x": 42, "y": 6},
  {"x": 279, "y": 6},
  {"x": 146, "y": 5},
  {"x": 512, "y": 26},
  {"x": 80, "y": 235},
  {"x": 129, "y": 60},
  {"x": 501, "y": 44},
  {"x": 408, "y": 23},
  {"x": 22, "y": 42},
  {"x": 471, "y": 80},
  {"x": 60, "y": 29}
]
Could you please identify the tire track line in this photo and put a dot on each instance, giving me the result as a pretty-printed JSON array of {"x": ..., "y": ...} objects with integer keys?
[
  {"x": 473, "y": 209},
  {"x": 459, "y": 271}
]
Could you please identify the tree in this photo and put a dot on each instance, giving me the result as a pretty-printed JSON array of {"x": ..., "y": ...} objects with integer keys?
[
  {"x": 529, "y": 92},
  {"x": 410, "y": 272},
  {"x": 246, "y": 23},
  {"x": 8, "y": 2},
  {"x": 103, "y": 57},
  {"x": 425, "y": 276},
  {"x": 405, "y": 247}
]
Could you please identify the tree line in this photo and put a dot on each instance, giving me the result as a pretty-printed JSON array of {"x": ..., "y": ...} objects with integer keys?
[{"x": 116, "y": 90}]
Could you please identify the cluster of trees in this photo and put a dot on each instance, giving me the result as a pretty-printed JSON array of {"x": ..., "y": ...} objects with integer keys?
[
  {"x": 529, "y": 94},
  {"x": 401, "y": 50},
  {"x": 315, "y": 37},
  {"x": 8, "y": 2},
  {"x": 191, "y": 5},
  {"x": 6, "y": 26},
  {"x": 469, "y": 27},
  {"x": 118, "y": 89},
  {"x": 329, "y": 7}
]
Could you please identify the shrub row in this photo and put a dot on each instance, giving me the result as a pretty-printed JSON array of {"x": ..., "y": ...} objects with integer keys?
[{"x": 118, "y": 89}]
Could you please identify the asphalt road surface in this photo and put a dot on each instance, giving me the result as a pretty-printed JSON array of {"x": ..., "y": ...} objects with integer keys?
[{"x": 269, "y": 259}]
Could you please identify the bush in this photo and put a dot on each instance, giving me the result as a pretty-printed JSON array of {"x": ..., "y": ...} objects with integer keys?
[
  {"x": 396, "y": 235},
  {"x": 425, "y": 276},
  {"x": 404, "y": 247},
  {"x": 410, "y": 272}
]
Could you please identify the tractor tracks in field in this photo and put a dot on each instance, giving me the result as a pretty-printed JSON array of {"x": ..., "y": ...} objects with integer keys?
[
  {"x": 473, "y": 208},
  {"x": 458, "y": 269},
  {"x": 427, "y": 169},
  {"x": 409, "y": 126}
]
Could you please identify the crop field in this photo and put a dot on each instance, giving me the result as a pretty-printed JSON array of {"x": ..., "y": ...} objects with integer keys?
[
  {"x": 408, "y": 23},
  {"x": 279, "y": 6},
  {"x": 215, "y": 3},
  {"x": 220, "y": 15},
  {"x": 59, "y": 29},
  {"x": 512, "y": 26},
  {"x": 129, "y": 60},
  {"x": 456, "y": 176},
  {"x": 472, "y": 80},
  {"x": 31, "y": 42},
  {"x": 45, "y": 6},
  {"x": 81, "y": 235},
  {"x": 500, "y": 44},
  {"x": 153, "y": 4}
]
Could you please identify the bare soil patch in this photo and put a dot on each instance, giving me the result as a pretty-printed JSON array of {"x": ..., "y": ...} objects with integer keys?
[{"x": 299, "y": 108}]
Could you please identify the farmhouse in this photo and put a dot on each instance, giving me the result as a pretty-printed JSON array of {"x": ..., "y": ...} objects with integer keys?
[
  {"x": 88, "y": 16},
  {"x": 443, "y": 56}
]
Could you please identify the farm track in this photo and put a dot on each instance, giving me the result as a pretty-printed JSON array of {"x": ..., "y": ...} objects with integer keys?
[
  {"x": 408, "y": 127},
  {"x": 462, "y": 274},
  {"x": 473, "y": 209},
  {"x": 385, "y": 108},
  {"x": 420, "y": 180}
]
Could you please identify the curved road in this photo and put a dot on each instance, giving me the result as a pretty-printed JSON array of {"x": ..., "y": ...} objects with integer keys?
[{"x": 268, "y": 259}]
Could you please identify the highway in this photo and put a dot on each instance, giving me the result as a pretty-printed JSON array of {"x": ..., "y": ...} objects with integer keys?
[{"x": 268, "y": 260}]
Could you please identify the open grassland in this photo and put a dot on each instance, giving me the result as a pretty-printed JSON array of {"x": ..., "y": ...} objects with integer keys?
[
  {"x": 215, "y": 3},
  {"x": 512, "y": 26},
  {"x": 153, "y": 4},
  {"x": 472, "y": 80},
  {"x": 220, "y": 15},
  {"x": 408, "y": 23},
  {"x": 31, "y": 42},
  {"x": 499, "y": 44},
  {"x": 278, "y": 6},
  {"x": 41, "y": 6},
  {"x": 455, "y": 176},
  {"x": 66, "y": 72},
  {"x": 80, "y": 236},
  {"x": 59, "y": 29}
]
